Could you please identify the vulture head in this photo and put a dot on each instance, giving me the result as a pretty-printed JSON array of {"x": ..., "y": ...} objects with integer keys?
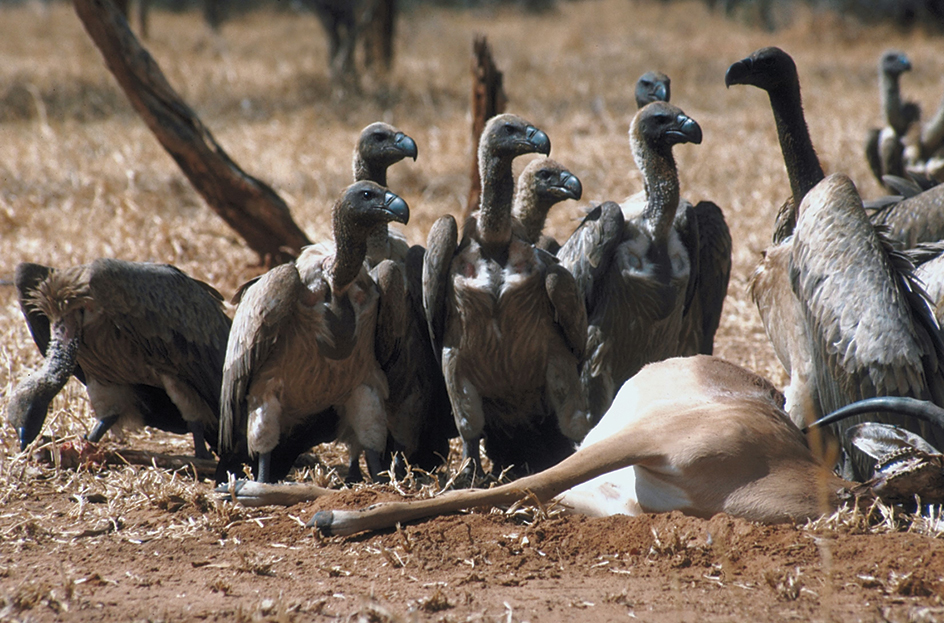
[
  {"x": 652, "y": 86},
  {"x": 659, "y": 126},
  {"x": 894, "y": 63},
  {"x": 549, "y": 181},
  {"x": 381, "y": 145},
  {"x": 770, "y": 69},
  {"x": 507, "y": 136},
  {"x": 364, "y": 204}
]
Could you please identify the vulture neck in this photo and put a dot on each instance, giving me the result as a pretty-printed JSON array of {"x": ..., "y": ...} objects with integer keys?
[
  {"x": 891, "y": 102},
  {"x": 531, "y": 211},
  {"x": 42, "y": 386},
  {"x": 802, "y": 163},
  {"x": 662, "y": 191},
  {"x": 365, "y": 170},
  {"x": 349, "y": 255},
  {"x": 498, "y": 189}
]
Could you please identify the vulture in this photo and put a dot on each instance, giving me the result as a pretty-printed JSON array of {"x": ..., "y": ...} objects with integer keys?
[
  {"x": 301, "y": 365},
  {"x": 652, "y": 86},
  {"x": 146, "y": 340},
  {"x": 884, "y": 148},
  {"x": 507, "y": 322},
  {"x": 417, "y": 405},
  {"x": 636, "y": 263},
  {"x": 926, "y": 159},
  {"x": 842, "y": 309},
  {"x": 541, "y": 185}
]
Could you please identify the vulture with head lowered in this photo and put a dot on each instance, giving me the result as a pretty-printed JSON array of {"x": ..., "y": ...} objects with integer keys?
[
  {"x": 147, "y": 341},
  {"x": 506, "y": 321},
  {"x": 842, "y": 309},
  {"x": 301, "y": 365},
  {"x": 637, "y": 264}
]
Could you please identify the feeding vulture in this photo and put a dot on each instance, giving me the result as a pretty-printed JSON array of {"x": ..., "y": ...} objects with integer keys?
[{"x": 147, "y": 341}]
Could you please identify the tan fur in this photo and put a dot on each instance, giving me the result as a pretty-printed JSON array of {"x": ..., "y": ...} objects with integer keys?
[{"x": 708, "y": 430}]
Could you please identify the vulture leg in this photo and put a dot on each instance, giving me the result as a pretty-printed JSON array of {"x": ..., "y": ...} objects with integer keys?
[
  {"x": 200, "y": 449},
  {"x": 264, "y": 468},
  {"x": 102, "y": 427}
]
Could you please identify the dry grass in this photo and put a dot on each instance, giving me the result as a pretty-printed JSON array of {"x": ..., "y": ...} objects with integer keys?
[{"x": 83, "y": 178}]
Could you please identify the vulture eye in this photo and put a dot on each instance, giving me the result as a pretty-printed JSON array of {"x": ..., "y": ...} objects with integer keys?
[
  {"x": 366, "y": 194},
  {"x": 509, "y": 129},
  {"x": 378, "y": 137},
  {"x": 544, "y": 175}
]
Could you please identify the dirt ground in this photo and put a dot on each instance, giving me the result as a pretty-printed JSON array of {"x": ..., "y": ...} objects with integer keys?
[{"x": 81, "y": 177}]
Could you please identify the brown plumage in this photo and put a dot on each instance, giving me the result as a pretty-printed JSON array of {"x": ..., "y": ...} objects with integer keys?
[
  {"x": 146, "y": 340},
  {"x": 506, "y": 320},
  {"x": 418, "y": 412},
  {"x": 884, "y": 148},
  {"x": 542, "y": 184},
  {"x": 300, "y": 363},
  {"x": 633, "y": 263},
  {"x": 842, "y": 310}
]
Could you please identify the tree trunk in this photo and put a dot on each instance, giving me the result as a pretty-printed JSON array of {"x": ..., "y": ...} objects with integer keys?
[
  {"x": 247, "y": 205},
  {"x": 488, "y": 100}
]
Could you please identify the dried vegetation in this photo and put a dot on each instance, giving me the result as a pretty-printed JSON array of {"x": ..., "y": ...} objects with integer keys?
[{"x": 81, "y": 178}]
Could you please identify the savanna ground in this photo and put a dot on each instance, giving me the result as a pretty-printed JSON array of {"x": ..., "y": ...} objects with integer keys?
[{"x": 83, "y": 178}]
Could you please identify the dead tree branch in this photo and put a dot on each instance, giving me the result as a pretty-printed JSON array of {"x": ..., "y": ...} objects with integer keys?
[
  {"x": 488, "y": 100},
  {"x": 247, "y": 205}
]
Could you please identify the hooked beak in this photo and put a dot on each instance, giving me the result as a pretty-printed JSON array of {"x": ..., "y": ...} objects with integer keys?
[
  {"x": 396, "y": 208},
  {"x": 661, "y": 93},
  {"x": 739, "y": 72},
  {"x": 406, "y": 145},
  {"x": 572, "y": 186},
  {"x": 538, "y": 140},
  {"x": 687, "y": 131}
]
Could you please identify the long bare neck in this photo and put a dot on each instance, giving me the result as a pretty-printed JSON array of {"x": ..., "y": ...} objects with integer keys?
[
  {"x": 377, "y": 235},
  {"x": 349, "y": 255},
  {"x": 803, "y": 167},
  {"x": 498, "y": 188},
  {"x": 662, "y": 190},
  {"x": 530, "y": 210},
  {"x": 891, "y": 101}
]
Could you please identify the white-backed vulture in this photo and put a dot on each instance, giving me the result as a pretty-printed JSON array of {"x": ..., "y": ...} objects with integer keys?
[
  {"x": 841, "y": 309},
  {"x": 633, "y": 263},
  {"x": 884, "y": 147},
  {"x": 147, "y": 341},
  {"x": 300, "y": 362},
  {"x": 542, "y": 184},
  {"x": 418, "y": 416},
  {"x": 712, "y": 266},
  {"x": 652, "y": 86},
  {"x": 507, "y": 321}
]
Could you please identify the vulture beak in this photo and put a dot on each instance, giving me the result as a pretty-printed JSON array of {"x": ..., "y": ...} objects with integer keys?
[
  {"x": 405, "y": 144},
  {"x": 738, "y": 72},
  {"x": 686, "y": 131},
  {"x": 396, "y": 208},
  {"x": 538, "y": 140},
  {"x": 572, "y": 187},
  {"x": 905, "y": 63},
  {"x": 32, "y": 421},
  {"x": 661, "y": 93}
]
